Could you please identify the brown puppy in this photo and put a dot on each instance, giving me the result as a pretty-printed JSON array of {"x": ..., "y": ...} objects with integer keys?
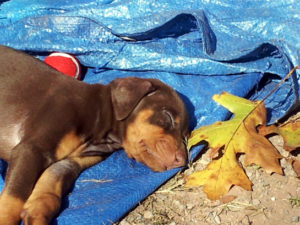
[{"x": 53, "y": 127}]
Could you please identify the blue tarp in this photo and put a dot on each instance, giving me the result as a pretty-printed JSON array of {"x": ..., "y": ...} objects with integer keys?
[{"x": 198, "y": 47}]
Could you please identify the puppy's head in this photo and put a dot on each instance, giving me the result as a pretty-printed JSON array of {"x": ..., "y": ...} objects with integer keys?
[{"x": 155, "y": 121}]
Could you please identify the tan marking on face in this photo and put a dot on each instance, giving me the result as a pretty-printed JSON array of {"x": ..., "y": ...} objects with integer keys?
[
  {"x": 10, "y": 209},
  {"x": 177, "y": 120},
  {"x": 136, "y": 131},
  {"x": 149, "y": 144},
  {"x": 67, "y": 145}
]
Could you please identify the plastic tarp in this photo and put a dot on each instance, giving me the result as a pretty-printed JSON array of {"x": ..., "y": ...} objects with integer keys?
[{"x": 198, "y": 47}]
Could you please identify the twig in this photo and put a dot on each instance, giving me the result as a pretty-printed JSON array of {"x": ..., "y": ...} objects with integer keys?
[{"x": 96, "y": 181}]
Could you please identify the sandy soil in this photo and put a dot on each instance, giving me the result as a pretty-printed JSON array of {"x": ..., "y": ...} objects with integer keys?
[{"x": 275, "y": 199}]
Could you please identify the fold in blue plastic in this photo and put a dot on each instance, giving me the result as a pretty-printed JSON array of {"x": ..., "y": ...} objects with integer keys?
[{"x": 200, "y": 48}]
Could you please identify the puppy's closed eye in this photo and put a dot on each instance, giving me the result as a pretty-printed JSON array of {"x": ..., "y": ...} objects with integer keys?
[
  {"x": 164, "y": 119},
  {"x": 169, "y": 118}
]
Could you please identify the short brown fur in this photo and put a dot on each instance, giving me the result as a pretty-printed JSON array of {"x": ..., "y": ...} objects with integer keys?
[{"x": 56, "y": 126}]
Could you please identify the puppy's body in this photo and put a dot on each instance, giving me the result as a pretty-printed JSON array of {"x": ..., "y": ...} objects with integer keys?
[{"x": 52, "y": 127}]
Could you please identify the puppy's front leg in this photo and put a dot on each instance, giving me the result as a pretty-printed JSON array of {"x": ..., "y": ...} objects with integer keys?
[
  {"x": 45, "y": 200},
  {"x": 24, "y": 167}
]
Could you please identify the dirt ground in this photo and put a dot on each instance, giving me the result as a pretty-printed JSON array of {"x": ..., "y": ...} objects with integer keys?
[{"x": 275, "y": 199}]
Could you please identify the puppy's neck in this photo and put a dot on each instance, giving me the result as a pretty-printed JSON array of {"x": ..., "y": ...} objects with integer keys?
[{"x": 108, "y": 131}]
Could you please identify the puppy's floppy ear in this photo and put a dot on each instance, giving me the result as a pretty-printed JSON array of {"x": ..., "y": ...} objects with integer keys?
[{"x": 126, "y": 93}]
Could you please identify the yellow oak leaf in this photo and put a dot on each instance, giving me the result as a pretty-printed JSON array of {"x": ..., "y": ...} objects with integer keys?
[
  {"x": 238, "y": 135},
  {"x": 217, "y": 178}
]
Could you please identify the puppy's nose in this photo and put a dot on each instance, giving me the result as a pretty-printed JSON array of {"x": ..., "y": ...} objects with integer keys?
[{"x": 180, "y": 159}]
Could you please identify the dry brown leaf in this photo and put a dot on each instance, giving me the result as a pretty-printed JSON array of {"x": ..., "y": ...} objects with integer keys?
[
  {"x": 227, "y": 198},
  {"x": 296, "y": 167},
  {"x": 289, "y": 131}
]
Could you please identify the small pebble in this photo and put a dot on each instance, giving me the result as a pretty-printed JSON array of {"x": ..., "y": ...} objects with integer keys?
[
  {"x": 138, "y": 216},
  {"x": 189, "y": 206},
  {"x": 148, "y": 214},
  {"x": 178, "y": 204},
  {"x": 214, "y": 218},
  {"x": 295, "y": 219},
  {"x": 124, "y": 222},
  {"x": 273, "y": 199},
  {"x": 249, "y": 173},
  {"x": 255, "y": 202},
  {"x": 217, "y": 219},
  {"x": 162, "y": 196},
  {"x": 130, "y": 219},
  {"x": 172, "y": 223}
]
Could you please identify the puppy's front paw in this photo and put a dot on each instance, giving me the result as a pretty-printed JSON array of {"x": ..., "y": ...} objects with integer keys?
[
  {"x": 29, "y": 219},
  {"x": 41, "y": 210},
  {"x": 10, "y": 208},
  {"x": 8, "y": 220},
  {"x": 8, "y": 216}
]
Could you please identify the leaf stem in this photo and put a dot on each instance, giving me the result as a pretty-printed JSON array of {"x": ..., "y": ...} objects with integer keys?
[{"x": 281, "y": 82}]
